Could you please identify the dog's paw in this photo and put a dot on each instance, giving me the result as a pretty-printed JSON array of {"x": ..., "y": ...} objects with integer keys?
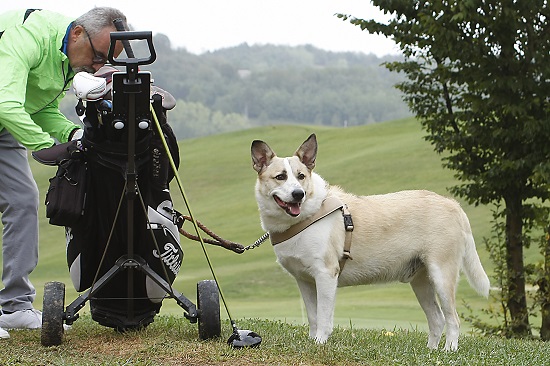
[
  {"x": 451, "y": 346},
  {"x": 321, "y": 339}
]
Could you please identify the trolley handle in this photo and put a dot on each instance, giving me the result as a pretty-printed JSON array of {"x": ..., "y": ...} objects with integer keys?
[{"x": 126, "y": 36}]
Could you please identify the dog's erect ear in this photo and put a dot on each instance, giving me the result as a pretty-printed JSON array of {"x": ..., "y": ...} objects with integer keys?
[
  {"x": 308, "y": 152},
  {"x": 261, "y": 155}
]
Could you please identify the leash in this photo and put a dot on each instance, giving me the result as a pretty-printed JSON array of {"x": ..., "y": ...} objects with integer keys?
[
  {"x": 239, "y": 248},
  {"x": 258, "y": 242},
  {"x": 219, "y": 241},
  {"x": 329, "y": 205}
]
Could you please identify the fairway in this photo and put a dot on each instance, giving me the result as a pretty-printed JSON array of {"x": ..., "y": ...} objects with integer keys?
[{"x": 219, "y": 183}]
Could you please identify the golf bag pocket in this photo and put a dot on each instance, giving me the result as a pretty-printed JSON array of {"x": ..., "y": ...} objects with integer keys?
[
  {"x": 167, "y": 258},
  {"x": 66, "y": 195}
]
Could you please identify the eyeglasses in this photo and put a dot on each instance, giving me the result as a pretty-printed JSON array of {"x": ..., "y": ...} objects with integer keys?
[{"x": 97, "y": 59}]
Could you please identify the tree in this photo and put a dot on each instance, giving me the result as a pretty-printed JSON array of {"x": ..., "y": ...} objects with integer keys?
[{"x": 478, "y": 79}]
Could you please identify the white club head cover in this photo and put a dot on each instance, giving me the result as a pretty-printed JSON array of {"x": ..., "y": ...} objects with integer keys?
[{"x": 88, "y": 87}]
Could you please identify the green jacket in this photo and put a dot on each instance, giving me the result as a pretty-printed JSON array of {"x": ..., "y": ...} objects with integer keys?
[{"x": 34, "y": 76}]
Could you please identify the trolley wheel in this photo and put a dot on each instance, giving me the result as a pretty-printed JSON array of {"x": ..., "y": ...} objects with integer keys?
[
  {"x": 52, "y": 314},
  {"x": 208, "y": 303}
]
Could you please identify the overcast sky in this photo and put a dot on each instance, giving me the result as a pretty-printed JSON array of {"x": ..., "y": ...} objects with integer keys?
[{"x": 206, "y": 25}]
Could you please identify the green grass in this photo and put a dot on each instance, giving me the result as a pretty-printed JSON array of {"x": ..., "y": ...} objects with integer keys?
[
  {"x": 219, "y": 182},
  {"x": 171, "y": 340}
]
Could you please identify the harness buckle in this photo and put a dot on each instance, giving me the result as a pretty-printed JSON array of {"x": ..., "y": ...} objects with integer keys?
[
  {"x": 348, "y": 222},
  {"x": 347, "y": 255}
]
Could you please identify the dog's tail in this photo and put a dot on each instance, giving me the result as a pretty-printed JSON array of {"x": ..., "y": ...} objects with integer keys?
[{"x": 471, "y": 265}]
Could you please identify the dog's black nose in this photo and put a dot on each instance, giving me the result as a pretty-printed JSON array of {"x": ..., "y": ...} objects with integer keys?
[{"x": 298, "y": 194}]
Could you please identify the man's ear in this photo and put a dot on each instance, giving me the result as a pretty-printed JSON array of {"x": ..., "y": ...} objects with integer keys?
[{"x": 76, "y": 32}]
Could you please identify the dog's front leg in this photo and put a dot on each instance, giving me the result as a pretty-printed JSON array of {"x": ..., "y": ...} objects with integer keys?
[
  {"x": 309, "y": 295},
  {"x": 326, "y": 297}
]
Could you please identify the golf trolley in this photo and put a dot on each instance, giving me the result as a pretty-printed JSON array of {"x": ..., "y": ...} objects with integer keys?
[{"x": 125, "y": 261}]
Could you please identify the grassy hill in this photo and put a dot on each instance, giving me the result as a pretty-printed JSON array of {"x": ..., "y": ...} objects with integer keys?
[{"x": 219, "y": 181}]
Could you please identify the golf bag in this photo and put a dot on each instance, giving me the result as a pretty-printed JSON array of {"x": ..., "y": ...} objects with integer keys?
[{"x": 99, "y": 236}]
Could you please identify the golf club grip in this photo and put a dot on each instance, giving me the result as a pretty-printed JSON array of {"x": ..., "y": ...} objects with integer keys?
[{"x": 119, "y": 25}]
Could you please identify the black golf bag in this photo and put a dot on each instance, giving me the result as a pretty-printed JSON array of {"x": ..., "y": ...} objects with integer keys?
[
  {"x": 100, "y": 236},
  {"x": 89, "y": 196}
]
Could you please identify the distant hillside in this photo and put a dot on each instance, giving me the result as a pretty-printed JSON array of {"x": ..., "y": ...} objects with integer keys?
[{"x": 247, "y": 86}]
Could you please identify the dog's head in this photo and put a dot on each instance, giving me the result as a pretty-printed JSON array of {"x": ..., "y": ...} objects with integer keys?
[{"x": 283, "y": 183}]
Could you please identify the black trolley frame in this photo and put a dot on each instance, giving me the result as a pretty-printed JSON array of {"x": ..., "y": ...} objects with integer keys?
[{"x": 131, "y": 105}]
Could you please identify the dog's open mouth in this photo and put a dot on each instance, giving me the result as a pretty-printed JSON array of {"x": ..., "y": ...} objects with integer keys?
[{"x": 291, "y": 208}]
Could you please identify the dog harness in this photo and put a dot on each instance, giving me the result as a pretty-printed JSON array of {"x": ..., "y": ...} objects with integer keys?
[{"x": 329, "y": 205}]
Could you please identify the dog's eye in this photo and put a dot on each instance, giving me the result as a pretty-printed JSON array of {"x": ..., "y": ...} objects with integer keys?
[
  {"x": 281, "y": 176},
  {"x": 301, "y": 176}
]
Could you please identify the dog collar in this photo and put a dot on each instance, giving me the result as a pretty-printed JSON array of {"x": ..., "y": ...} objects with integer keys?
[{"x": 329, "y": 205}]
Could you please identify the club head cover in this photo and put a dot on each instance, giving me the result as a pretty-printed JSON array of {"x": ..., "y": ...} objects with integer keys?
[{"x": 244, "y": 338}]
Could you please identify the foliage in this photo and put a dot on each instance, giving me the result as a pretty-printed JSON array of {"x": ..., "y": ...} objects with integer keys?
[
  {"x": 246, "y": 86},
  {"x": 195, "y": 119},
  {"x": 477, "y": 78}
]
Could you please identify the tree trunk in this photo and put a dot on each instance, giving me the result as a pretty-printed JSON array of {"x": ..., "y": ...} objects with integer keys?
[
  {"x": 517, "y": 300},
  {"x": 544, "y": 292}
]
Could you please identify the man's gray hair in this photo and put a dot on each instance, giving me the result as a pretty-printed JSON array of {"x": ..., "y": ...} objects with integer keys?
[{"x": 95, "y": 20}]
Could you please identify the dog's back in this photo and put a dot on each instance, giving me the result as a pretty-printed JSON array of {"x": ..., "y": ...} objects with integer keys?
[{"x": 397, "y": 233}]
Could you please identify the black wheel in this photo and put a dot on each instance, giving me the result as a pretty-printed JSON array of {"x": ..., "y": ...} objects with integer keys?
[
  {"x": 208, "y": 304},
  {"x": 52, "y": 314}
]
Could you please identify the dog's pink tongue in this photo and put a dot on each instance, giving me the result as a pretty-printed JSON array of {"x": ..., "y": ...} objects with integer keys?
[{"x": 294, "y": 208}]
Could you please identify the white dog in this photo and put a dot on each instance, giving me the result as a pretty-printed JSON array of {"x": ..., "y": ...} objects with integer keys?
[{"x": 418, "y": 237}]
